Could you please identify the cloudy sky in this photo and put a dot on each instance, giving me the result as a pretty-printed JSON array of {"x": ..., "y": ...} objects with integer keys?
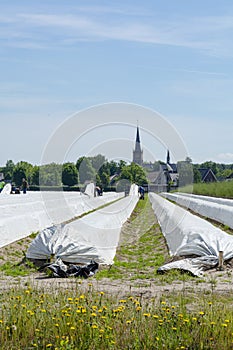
[{"x": 172, "y": 56}]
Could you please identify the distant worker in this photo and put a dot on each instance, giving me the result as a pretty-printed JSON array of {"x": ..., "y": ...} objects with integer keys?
[
  {"x": 24, "y": 185},
  {"x": 141, "y": 192},
  {"x": 2, "y": 184}
]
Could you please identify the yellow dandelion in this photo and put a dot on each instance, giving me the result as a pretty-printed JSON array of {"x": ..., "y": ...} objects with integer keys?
[
  {"x": 173, "y": 307},
  {"x": 122, "y": 301},
  {"x": 78, "y": 311},
  {"x": 72, "y": 328},
  {"x": 147, "y": 315},
  {"x": 227, "y": 321},
  {"x": 138, "y": 308},
  {"x": 194, "y": 318},
  {"x": 155, "y": 316},
  {"x": 186, "y": 320},
  {"x": 82, "y": 296},
  {"x": 157, "y": 338},
  {"x": 27, "y": 291},
  {"x": 174, "y": 328},
  {"x": 212, "y": 323},
  {"x": 43, "y": 310},
  {"x": 128, "y": 321},
  {"x": 224, "y": 325},
  {"x": 100, "y": 311},
  {"x": 94, "y": 326},
  {"x": 101, "y": 330},
  {"x": 1, "y": 321},
  {"x": 163, "y": 302},
  {"x": 201, "y": 313},
  {"x": 180, "y": 315},
  {"x": 49, "y": 345},
  {"x": 93, "y": 314},
  {"x": 101, "y": 293},
  {"x": 113, "y": 342}
]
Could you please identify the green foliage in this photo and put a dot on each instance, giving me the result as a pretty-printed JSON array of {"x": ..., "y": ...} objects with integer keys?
[
  {"x": 185, "y": 170},
  {"x": 69, "y": 174},
  {"x": 216, "y": 189},
  {"x": 22, "y": 170},
  {"x": 51, "y": 175},
  {"x": 86, "y": 171},
  {"x": 134, "y": 173}
]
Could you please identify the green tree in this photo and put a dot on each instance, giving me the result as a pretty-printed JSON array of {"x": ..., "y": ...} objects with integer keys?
[
  {"x": 134, "y": 173},
  {"x": 35, "y": 179},
  {"x": 97, "y": 161},
  {"x": 86, "y": 171},
  {"x": 185, "y": 171},
  {"x": 69, "y": 174},
  {"x": 22, "y": 170},
  {"x": 9, "y": 169},
  {"x": 51, "y": 174}
]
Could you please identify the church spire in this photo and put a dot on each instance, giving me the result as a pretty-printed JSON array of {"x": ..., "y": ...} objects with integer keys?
[
  {"x": 168, "y": 157},
  {"x": 137, "y": 153}
]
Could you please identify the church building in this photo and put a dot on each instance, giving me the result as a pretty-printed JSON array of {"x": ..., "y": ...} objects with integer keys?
[
  {"x": 138, "y": 153},
  {"x": 159, "y": 176}
]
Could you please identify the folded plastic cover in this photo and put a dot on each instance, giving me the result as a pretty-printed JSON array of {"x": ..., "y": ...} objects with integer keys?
[
  {"x": 93, "y": 237},
  {"x": 187, "y": 235}
]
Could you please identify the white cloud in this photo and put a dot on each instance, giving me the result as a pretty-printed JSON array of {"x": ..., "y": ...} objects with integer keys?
[
  {"x": 225, "y": 157},
  {"x": 209, "y": 34}
]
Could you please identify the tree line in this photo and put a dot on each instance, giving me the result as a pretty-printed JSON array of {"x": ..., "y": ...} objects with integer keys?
[{"x": 97, "y": 169}]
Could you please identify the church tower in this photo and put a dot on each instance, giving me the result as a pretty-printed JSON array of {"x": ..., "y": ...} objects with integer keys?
[{"x": 137, "y": 153}]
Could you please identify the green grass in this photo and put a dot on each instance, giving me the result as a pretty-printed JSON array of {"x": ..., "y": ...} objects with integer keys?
[
  {"x": 72, "y": 320},
  {"x": 141, "y": 259},
  {"x": 15, "y": 270},
  {"x": 215, "y": 189}
]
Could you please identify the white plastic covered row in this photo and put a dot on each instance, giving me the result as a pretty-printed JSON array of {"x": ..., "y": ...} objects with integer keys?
[
  {"x": 216, "y": 211},
  {"x": 93, "y": 237},
  {"x": 187, "y": 234},
  {"x": 26, "y": 213},
  {"x": 218, "y": 200}
]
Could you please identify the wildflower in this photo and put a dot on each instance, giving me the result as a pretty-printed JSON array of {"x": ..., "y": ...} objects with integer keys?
[
  {"x": 35, "y": 345},
  {"x": 147, "y": 315},
  {"x": 212, "y": 323},
  {"x": 72, "y": 328},
  {"x": 138, "y": 308},
  {"x": 194, "y": 318},
  {"x": 49, "y": 345},
  {"x": 201, "y": 313},
  {"x": 155, "y": 316},
  {"x": 122, "y": 301},
  {"x": 113, "y": 342},
  {"x": 163, "y": 302},
  {"x": 180, "y": 315},
  {"x": 157, "y": 338},
  {"x": 227, "y": 321},
  {"x": 70, "y": 299},
  {"x": 128, "y": 321},
  {"x": 101, "y": 293},
  {"x": 94, "y": 326},
  {"x": 1, "y": 321},
  {"x": 224, "y": 325},
  {"x": 174, "y": 328},
  {"x": 93, "y": 314},
  {"x": 210, "y": 303},
  {"x": 186, "y": 320},
  {"x": 27, "y": 291}
]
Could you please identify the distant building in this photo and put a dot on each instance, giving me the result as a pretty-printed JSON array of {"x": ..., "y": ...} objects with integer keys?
[
  {"x": 207, "y": 175},
  {"x": 160, "y": 178}
]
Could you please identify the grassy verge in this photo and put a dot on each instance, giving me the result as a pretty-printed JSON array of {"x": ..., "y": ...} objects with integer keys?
[
  {"x": 214, "y": 189},
  {"x": 71, "y": 320}
]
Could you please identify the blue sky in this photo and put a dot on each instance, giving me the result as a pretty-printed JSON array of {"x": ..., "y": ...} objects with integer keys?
[{"x": 59, "y": 57}]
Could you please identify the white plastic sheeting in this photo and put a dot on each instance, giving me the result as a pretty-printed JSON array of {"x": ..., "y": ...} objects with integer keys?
[
  {"x": 187, "y": 234},
  {"x": 22, "y": 214},
  {"x": 219, "y": 212},
  {"x": 218, "y": 200},
  {"x": 93, "y": 237}
]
